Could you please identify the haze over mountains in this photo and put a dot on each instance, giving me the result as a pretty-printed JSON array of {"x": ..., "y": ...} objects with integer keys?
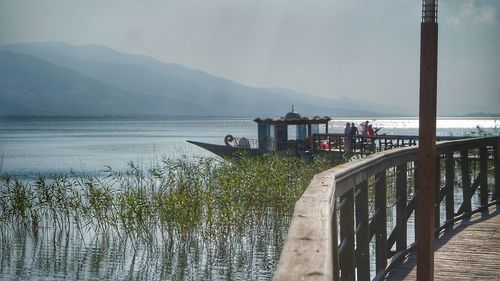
[{"x": 61, "y": 79}]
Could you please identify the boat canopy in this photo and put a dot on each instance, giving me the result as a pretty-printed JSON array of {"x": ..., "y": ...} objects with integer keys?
[
  {"x": 273, "y": 133},
  {"x": 295, "y": 121}
]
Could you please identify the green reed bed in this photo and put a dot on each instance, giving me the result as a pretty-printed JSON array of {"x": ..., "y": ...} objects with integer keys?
[{"x": 172, "y": 197}]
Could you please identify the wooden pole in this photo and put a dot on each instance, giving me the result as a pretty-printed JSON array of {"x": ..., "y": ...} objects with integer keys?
[{"x": 427, "y": 142}]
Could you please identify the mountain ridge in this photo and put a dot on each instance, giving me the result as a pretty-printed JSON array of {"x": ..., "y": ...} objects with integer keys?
[
  {"x": 68, "y": 93},
  {"x": 154, "y": 85}
]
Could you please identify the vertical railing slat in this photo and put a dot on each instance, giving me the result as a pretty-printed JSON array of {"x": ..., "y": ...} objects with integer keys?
[
  {"x": 335, "y": 246},
  {"x": 466, "y": 187},
  {"x": 362, "y": 233},
  {"x": 496, "y": 160},
  {"x": 347, "y": 260},
  {"x": 401, "y": 197},
  {"x": 449, "y": 185},
  {"x": 415, "y": 190},
  {"x": 381, "y": 221},
  {"x": 483, "y": 175},
  {"x": 437, "y": 189}
]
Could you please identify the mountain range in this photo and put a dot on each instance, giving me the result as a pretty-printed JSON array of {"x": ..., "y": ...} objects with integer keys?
[{"x": 57, "y": 78}]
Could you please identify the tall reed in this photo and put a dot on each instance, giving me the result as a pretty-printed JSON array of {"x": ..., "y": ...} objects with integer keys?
[{"x": 172, "y": 197}]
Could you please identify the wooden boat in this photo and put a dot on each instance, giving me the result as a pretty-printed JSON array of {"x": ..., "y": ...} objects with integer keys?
[
  {"x": 227, "y": 150},
  {"x": 273, "y": 137}
]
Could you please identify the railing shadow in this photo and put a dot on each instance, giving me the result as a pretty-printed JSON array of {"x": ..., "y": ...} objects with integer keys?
[{"x": 442, "y": 238}]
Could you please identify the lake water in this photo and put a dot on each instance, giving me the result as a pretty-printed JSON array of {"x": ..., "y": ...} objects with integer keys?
[{"x": 31, "y": 147}]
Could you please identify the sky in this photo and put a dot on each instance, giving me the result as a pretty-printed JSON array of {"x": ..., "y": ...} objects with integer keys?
[{"x": 363, "y": 49}]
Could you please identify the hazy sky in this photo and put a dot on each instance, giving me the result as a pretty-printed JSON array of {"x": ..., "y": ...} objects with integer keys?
[{"x": 365, "y": 49}]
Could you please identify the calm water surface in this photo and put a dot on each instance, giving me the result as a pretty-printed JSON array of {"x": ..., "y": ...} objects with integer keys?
[
  {"x": 32, "y": 147},
  {"x": 51, "y": 146},
  {"x": 29, "y": 147}
]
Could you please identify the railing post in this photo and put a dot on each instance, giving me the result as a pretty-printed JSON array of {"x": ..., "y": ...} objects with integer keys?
[
  {"x": 449, "y": 185},
  {"x": 381, "y": 221},
  {"x": 424, "y": 215},
  {"x": 483, "y": 175},
  {"x": 362, "y": 232},
  {"x": 466, "y": 187},
  {"x": 401, "y": 198},
  {"x": 347, "y": 259}
]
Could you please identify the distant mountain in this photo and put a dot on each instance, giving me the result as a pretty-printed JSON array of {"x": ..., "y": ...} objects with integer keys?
[
  {"x": 62, "y": 79},
  {"x": 30, "y": 86},
  {"x": 482, "y": 114}
]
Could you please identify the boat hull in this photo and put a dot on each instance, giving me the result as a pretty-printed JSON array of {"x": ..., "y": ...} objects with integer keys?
[{"x": 227, "y": 150}]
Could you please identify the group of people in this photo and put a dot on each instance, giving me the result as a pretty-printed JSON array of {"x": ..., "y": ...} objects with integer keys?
[{"x": 351, "y": 131}]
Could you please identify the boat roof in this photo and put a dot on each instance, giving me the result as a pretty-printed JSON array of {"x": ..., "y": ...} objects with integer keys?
[{"x": 293, "y": 121}]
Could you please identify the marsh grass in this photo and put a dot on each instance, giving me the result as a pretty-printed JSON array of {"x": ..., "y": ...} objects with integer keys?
[
  {"x": 196, "y": 218},
  {"x": 171, "y": 198}
]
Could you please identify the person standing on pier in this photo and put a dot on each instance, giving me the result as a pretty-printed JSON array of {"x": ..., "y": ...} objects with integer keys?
[
  {"x": 370, "y": 132},
  {"x": 347, "y": 132},
  {"x": 353, "y": 133}
]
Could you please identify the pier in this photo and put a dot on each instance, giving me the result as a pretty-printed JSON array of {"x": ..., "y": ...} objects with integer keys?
[
  {"x": 467, "y": 251},
  {"x": 404, "y": 211},
  {"x": 342, "y": 227}
]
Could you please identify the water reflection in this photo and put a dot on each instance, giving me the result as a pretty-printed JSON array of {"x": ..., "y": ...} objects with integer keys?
[{"x": 248, "y": 253}]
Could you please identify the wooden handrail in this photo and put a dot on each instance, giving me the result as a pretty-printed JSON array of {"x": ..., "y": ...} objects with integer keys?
[
  {"x": 364, "y": 145},
  {"x": 311, "y": 251},
  {"x": 395, "y": 137}
]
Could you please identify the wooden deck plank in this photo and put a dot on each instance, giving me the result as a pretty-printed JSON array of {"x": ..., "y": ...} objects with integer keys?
[{"x": 468, "y": 251}]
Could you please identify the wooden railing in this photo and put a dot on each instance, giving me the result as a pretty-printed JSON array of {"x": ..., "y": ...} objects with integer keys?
[
  {"x": 368, "y": 145},
  {"x": 346, "y": 209}
]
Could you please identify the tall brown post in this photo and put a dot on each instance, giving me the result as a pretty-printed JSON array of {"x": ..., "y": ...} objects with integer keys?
[{"x": 427, "y": 142}]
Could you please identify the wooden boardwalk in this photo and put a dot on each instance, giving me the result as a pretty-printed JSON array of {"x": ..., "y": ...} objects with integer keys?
[{"x": 469, "y": 251}]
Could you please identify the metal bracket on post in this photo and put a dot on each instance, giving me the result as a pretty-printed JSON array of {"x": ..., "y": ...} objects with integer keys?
[{"x": 429, "y": 11}]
